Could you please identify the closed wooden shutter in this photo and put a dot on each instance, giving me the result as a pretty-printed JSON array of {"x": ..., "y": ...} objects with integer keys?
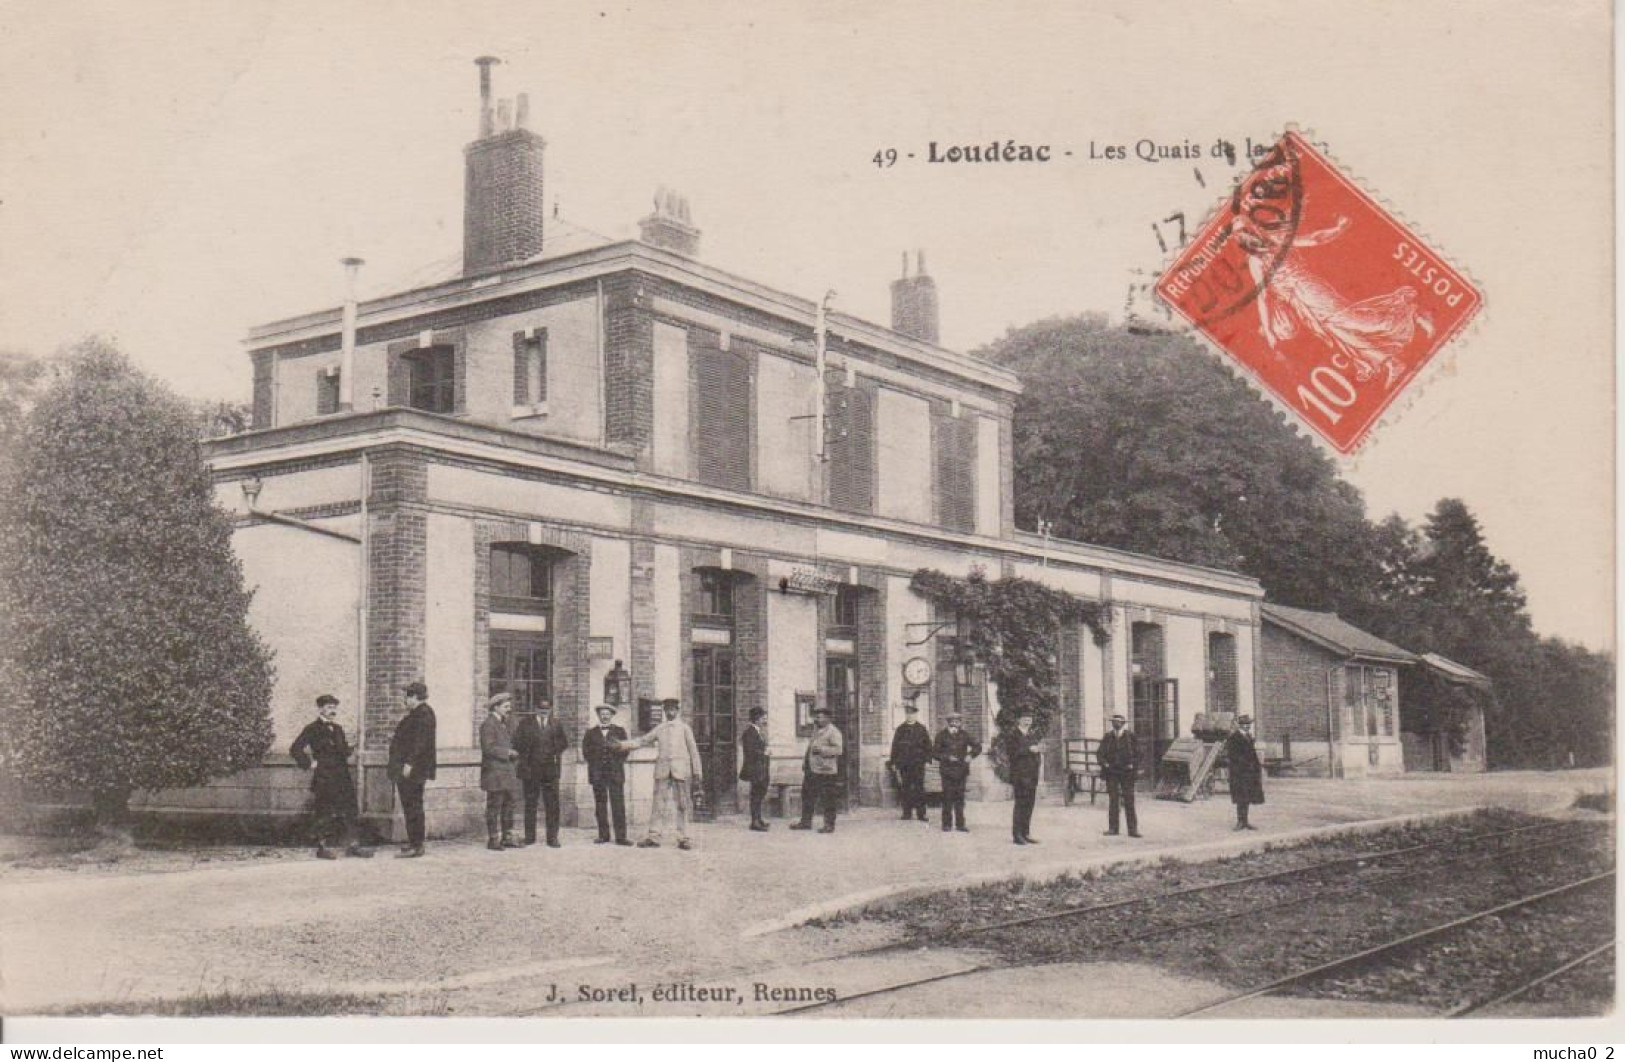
[
  {"x": 327, "y": 392},
  {"x": 850, "y": 423},
  {"x": 400, "y": 374},
  {"x": 530, "y": 368},
  {"x": 721, "y": 424},
  {"x": 956, "y": 472}
]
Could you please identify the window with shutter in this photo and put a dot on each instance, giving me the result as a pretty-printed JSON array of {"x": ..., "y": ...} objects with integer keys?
[
  {"x": 530, "y": 368},
  {"x": 327, "y": 392},
  {"x": 431, "y": 379},
  {"x": 850, "y": 424},
  {"x": 721, "y": 418},
  {"x": 956, "y": 472}
]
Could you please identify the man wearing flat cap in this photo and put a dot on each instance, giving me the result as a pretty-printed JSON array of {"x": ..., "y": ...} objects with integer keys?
[
  {"x": 412, "y": 763},
  {"x": 1119, "y": 758},
  {"x": 606, "y": 772},
  {"x": 322, "y": 748},
  {"x": 910, "y": 752},
  {"x": 1246, "y": 772},
  {"x": 954, "y": 750},
  {"x": 499, "y": 775}
]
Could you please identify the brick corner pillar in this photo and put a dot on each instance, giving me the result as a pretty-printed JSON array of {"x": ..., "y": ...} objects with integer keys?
[
  {"x": 629, "y": 366},
  {"x": 397, "y": 537}
]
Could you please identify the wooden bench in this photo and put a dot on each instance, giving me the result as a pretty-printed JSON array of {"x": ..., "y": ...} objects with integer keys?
[{"x": 1082, "y": 765}]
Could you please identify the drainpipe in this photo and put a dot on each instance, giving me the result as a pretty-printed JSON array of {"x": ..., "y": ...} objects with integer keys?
[
  {"x": 820, "y": 337},
  {"x": 361, "y": 612},
  {"x": 352, "y": 266},
  {"x": 598, "y": 345}
]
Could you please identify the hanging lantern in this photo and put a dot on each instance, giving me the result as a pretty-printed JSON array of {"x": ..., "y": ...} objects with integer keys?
[{"x": 618, "y": 686}]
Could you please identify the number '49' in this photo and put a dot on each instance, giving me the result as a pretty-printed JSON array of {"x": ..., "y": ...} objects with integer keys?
[{"x": 885, "y": 158}]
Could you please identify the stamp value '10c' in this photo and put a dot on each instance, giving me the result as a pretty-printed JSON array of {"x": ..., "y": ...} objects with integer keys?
[{"x": 1323, "y": 297}]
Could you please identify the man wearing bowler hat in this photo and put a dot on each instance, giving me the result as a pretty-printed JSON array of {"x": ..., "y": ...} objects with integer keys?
[
  {"x": 323, "y": 746},
  {"x": 412, "y": 763},
  {"x": 910, "y": 752},
  {"x": 606, "y": 773},
  {"x": 1119, "y": 758}
]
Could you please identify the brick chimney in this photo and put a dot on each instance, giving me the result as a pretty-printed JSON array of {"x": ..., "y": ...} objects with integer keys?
[
  {"x": 914, "y": 301},
  {"x": 670, "y": 226},
  {"x": 503, "y": 212}
]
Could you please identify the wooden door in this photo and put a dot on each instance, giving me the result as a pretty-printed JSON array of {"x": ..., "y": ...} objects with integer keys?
[{"x": 715, "y": 725}]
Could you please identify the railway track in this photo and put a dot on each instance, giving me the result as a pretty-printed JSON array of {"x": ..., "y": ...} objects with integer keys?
[
  {"x": 1569, "y": 832},
  {"x": 1411, "y": 940}
]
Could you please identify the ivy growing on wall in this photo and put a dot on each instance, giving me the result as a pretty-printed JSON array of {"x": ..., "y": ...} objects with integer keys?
[{"x": 1011, "y": 626}]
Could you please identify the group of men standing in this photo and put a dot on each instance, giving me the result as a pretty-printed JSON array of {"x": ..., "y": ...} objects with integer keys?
[{"x": 521, "y": 762}]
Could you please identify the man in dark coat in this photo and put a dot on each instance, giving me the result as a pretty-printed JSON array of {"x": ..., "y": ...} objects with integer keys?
[
  {"x": 540, "y": 741},
  {"x": 606, "y": 773},
  {"x": 1246, "y": 772},
  {"x": 954, "y": 750},
  {"x": 1024, "y": 755},
  {"x": 499, "y": 773},
  {"x": 412, "y": 763},
  {"x": 756, "y": 766},
  {"x": 322, "y": 746},
  {"x": 910, "y": 752},
  {"x": 1119, "y": 759}
]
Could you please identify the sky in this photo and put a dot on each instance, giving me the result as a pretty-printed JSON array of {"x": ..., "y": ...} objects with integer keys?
[{"x": 172, "y": 173}]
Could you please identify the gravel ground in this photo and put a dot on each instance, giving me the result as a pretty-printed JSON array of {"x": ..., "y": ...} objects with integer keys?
[
  {"x": 1015, "y": 899},
  {"x": 468, "y": 931},
  {"x": 1491, "y": 956}
]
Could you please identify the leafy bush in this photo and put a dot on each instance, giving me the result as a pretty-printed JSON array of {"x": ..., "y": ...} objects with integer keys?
[{"x": 124, "y": 635}]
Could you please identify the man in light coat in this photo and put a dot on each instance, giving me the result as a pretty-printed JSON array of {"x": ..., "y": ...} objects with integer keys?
[
  {"x": 677, "y": 771},
  {"x": 821, "y": 777},
  {"x": 498, "y": 775}
]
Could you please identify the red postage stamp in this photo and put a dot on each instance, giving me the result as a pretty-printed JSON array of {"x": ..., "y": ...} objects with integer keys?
[{"x": 1321, "y": 295}]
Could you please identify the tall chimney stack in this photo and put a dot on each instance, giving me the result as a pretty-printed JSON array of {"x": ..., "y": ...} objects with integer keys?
[
  {"x": 914, "y": 301},
  {"x": 504, "y": 210}
]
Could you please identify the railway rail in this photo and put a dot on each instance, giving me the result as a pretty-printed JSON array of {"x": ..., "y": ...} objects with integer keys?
[
  {"x": 1410, "y": 940},
  {"x": 1568, "y": 830}
]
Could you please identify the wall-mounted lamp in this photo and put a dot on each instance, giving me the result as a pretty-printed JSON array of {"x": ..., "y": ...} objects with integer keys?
[
  {"x": 251, "y": 491},
  {"x": 617, "y": 686}
]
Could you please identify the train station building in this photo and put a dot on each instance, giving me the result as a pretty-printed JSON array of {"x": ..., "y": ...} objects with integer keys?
[{"x": 580, "y": 473}]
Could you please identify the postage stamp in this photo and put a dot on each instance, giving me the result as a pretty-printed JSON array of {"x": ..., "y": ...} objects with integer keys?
[{"x": 1318, "y": 292}]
